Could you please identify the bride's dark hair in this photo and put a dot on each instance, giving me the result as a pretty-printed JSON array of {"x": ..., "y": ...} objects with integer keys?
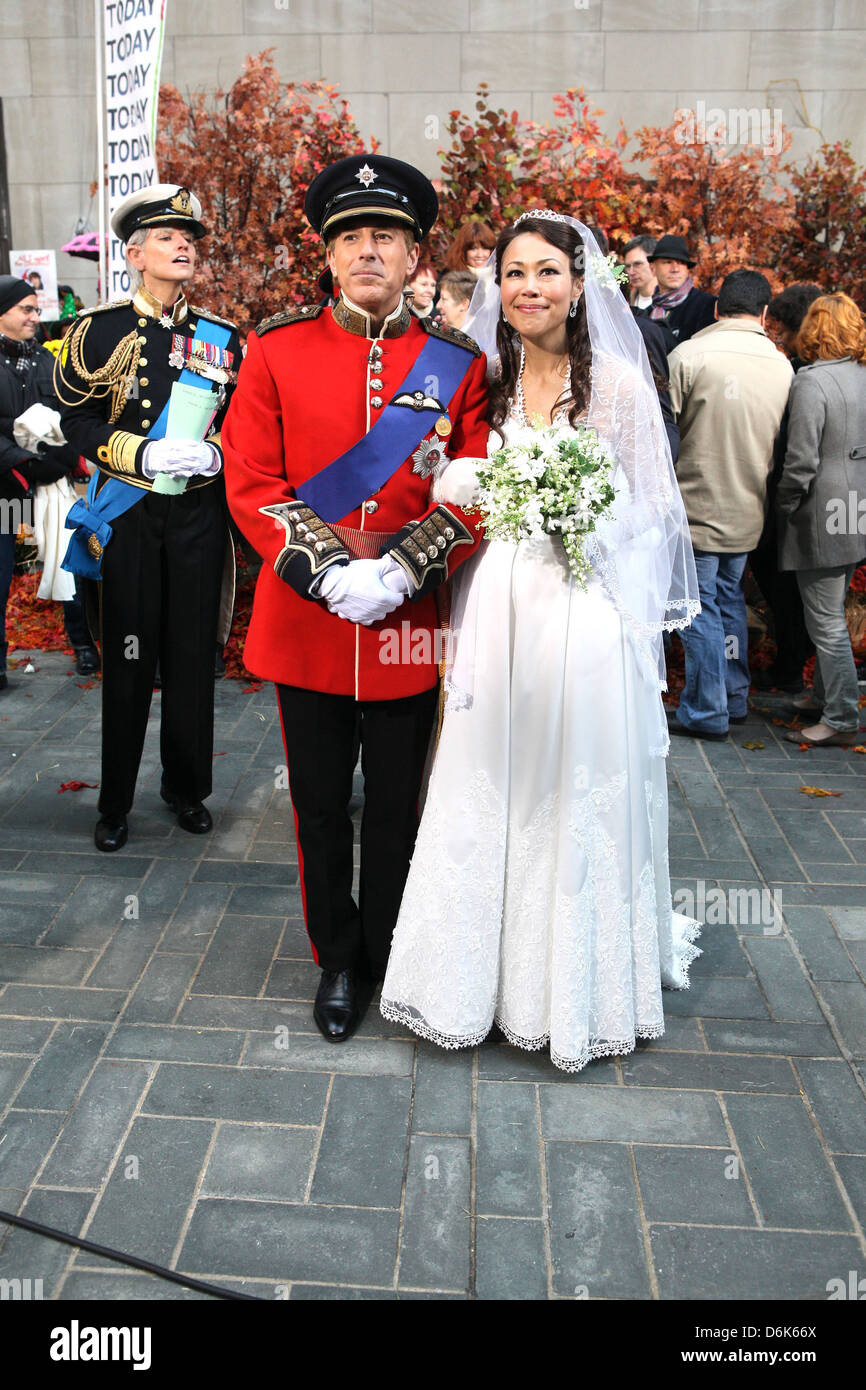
[{"x": 502, "y": 389}]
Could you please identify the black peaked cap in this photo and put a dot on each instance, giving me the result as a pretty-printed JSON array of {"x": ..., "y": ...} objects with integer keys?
[{"x": 373, "y": 185}]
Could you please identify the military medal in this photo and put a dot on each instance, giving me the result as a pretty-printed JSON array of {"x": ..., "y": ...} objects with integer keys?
[
  {"x": 443, "y": 427},
  {"x": 205, "y": 359},
  {"x": 429, "y": 458}
]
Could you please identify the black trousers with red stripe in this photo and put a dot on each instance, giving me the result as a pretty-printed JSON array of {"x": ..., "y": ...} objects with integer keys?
[{"x": 323, "y": 735}]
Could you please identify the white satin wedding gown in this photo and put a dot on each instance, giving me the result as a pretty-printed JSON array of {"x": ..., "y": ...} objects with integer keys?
[{"x": 539, "y": 893}]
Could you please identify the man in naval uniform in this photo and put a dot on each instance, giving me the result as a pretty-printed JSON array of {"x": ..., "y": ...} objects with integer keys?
[
  {"x": 341, "y": 418},
  {"x": 154, "y": 528}
]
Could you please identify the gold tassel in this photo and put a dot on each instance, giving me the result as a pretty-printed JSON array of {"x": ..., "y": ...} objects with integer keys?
[{"x": 112, "y": 379}]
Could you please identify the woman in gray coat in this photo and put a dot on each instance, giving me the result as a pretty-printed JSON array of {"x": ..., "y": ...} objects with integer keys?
[{"x": 821, "y": 501}]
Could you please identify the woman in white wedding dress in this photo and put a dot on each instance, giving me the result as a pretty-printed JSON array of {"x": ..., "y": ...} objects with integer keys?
[{"x": 539, "y": 892}]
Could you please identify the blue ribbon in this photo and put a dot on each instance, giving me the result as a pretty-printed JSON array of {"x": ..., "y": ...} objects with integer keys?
[
  {"x": 91, "y": 516},
  {"x": 343, "y": 485}
]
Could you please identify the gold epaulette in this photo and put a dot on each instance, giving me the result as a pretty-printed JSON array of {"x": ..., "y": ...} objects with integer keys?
[
  {"x": 451, "y": 335},
  {"x": 101, "y": 308},
  {"x": 306, "y": 311},
  {"x": 214, "y": 318}
]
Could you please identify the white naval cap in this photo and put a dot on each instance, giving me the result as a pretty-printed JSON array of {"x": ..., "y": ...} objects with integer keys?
[{"x": 161, "y": 205}]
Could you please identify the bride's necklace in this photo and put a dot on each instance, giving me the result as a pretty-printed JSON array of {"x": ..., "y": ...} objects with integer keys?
[{"x": 519, "y": 398}]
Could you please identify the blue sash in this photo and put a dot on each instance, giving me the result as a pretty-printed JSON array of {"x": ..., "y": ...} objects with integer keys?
[
  {"x": 91, "y": 516},
  {"x": 343, "y": 485}
]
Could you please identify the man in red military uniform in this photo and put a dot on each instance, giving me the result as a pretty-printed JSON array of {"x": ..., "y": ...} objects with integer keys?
[{"x": 340, "y": 420}]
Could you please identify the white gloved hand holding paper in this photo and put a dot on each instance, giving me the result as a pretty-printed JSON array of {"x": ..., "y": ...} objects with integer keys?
[
  {"x": 357, "y": 592},
  {"x": 180, "y": 458}
]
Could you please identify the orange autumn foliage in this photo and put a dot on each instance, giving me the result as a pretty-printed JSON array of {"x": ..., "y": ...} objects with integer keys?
[
  {"x": 250, "y": 153},
  {"x": 498, "y": 166}
]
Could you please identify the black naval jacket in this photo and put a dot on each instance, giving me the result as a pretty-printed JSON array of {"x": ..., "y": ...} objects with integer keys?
[{"x": 107, "y": 417}]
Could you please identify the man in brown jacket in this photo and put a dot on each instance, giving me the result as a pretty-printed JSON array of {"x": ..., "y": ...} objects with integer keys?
[{"x": 729, "y": 387}]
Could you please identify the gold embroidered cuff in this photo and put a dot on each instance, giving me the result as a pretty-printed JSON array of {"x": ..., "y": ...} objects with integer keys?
[
  {"x": 422, "y": 548},
  {"x": 120, "y": 452},
  {"x": 310, "y": 545}
]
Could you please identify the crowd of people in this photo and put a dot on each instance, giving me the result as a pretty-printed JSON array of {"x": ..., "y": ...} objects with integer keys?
[
  {"x": 347, "y": 439},
  {"x": 741, "y": 510},
  {"x": 725, "y": 368}
]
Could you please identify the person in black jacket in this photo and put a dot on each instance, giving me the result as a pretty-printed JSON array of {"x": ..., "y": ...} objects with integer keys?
[
  {"x": 656, "y": 347},
  {"x": 25, "y": 380},
  {"x": 678, "y": 305}
]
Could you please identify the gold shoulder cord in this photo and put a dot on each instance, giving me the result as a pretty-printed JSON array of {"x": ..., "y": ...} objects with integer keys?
[{"x": 111, "y": 379}]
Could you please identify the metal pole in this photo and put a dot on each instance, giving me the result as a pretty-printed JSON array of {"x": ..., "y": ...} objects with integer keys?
[
  {"x": 100, "y": 149},
  {"x": 5, "y": 214}
]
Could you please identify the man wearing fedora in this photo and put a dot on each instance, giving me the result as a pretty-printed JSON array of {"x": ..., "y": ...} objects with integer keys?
[
  {"x": 154, "y": 527},
  {"x": 342, "y": 417},
  {"x": 678, "y": 305}
]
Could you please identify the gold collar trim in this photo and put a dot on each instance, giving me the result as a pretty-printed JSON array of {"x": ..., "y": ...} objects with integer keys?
[
  {"x": 148, "y": 304},
  {"x": 356, "y": 320}
]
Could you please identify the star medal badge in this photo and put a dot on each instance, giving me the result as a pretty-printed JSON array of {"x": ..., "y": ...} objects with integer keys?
[
  {"x": 366, "y": 175},
  {"x": 429, "y": 458},
  {"x": 166, "y": 321}
]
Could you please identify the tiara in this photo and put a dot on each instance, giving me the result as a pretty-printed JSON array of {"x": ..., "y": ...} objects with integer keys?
[{"x": 544, "y": 213}]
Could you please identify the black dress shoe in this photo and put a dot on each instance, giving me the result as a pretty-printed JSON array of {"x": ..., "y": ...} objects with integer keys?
[
  {"x": 191, "y": 815},
  {"x": 777, "y": 680},
  {"x": 681, "y": 731},
  {"x": 196, "y": 819},
  {"x": 110, "y": 833},
  {"x": 336, "y": 1008},
  {"x": 4, "y": 683},
  {"x": 86, "y": 660}
]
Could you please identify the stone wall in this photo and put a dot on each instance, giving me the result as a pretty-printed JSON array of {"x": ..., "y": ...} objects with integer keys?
[{"x": 404, "y": 64}]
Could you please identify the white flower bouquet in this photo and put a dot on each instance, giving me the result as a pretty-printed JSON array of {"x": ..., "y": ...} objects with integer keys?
[{"x": 558, "y": 481}]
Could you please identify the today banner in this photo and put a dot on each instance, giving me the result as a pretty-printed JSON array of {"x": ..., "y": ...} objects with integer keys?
[{"x": 133, "y": 32}]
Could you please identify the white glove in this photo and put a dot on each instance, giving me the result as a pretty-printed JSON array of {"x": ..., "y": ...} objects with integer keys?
[
  {"x": 457, "y": 483},
  {"x": 357, "y": 593},
  {"x": 395, "y": 576},
  {"x": 180, "y": 458}
]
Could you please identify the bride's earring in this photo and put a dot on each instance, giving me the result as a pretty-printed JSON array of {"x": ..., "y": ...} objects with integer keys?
[{"x": 572, "y": 313}]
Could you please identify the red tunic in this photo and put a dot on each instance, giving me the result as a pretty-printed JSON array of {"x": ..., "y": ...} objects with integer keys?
[{"x": 303, "y": 398}]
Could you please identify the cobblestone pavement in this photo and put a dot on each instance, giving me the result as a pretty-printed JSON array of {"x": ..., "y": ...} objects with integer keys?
[{"x": 163, "y": 1088}]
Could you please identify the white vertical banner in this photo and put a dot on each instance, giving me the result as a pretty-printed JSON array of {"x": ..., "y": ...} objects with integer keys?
[{"x": 133, "y": 32}]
